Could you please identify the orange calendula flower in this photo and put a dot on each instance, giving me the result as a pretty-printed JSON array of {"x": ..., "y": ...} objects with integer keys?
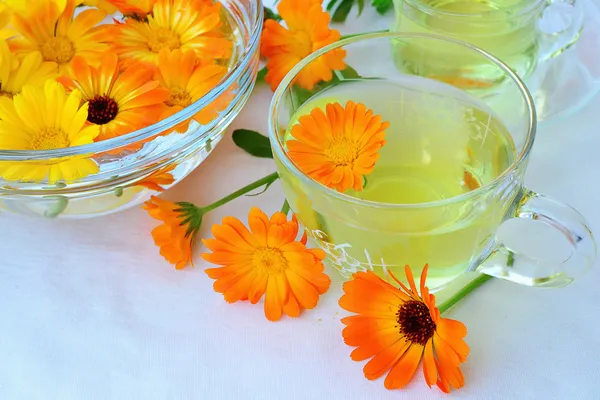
[
  {"x": 174, "y": 24},
  {"x": 397, "y": 328},
  {"x": 181, "y": 222},
  {"x": 267, "y": 259},
  {"x": 337, "y": 147},
  {"x": 59, "y": 36},
  {"x": 137, "y": 8},
  {"x": 158, "y": 179},
  {"x": 188, "y": 78},
  {"x": 119, "y": 102},
  {"x": 307, "y": 31}
]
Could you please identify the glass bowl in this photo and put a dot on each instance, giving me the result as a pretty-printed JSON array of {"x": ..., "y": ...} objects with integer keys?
[{"x": 134, "y": 166}]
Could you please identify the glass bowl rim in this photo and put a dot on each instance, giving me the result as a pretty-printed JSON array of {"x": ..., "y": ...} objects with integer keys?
[
  {"x": 277, "y": 99},
  {"x": 142, "y": 134}
]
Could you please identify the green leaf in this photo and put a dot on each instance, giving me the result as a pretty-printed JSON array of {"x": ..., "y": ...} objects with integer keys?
[
  {"x": 270, "y": 14},
  {"x": 260, "y": 76},
  {"x": 382, "y": 6},
  {"x": 253, "y": 143},
  {"x": 342, "y": 11},
  {"x": 361, "y": 6},
  {"x": 350, "y": 73},
  {"x": 331, "y": 4}
]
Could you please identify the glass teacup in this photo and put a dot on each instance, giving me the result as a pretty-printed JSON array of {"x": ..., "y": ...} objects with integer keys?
[
  {"x": 450, "y": 173},
  {"x": 519, "y": 32}
]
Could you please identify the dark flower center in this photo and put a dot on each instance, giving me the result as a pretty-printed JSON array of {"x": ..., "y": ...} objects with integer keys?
[
  {"x": 102, "y": 110},
  {"x": 415, "y": 322}
]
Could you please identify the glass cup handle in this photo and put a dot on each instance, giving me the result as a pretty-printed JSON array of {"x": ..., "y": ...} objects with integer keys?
[
  {"x": 520, "y": 268},
  {"x": 560, "y": 25}
]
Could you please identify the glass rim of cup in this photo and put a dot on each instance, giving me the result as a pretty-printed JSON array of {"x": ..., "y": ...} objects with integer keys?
[
  {"x": 278, "y": 96},
  {"x": 522, "y": 10}
]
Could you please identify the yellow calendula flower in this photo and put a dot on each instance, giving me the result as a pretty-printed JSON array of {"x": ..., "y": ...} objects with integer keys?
[
  {"x": 44, "y": 118},
  {"x": 15, "y": 73},
  {"x": 48, "y": 27},
  {"x": 5, "y": 15}
]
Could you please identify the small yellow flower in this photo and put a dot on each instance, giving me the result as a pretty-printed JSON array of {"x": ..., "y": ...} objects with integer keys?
[
  {"x": 44, "y": 118},
  {"x": 16, "y": 73}
]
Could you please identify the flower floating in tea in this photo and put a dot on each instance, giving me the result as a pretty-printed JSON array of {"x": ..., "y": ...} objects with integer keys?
[
  {"x": 339, "y": 146},
  {"x": 307, "y": 31},
  {"x": 266, "y": 260},
  {"x": 396, "y": 328}
]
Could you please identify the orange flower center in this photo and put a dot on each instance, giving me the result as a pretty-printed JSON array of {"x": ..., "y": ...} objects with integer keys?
[
  {"x": 102, "y": 110},
  {"x": 58, "y": 49},
  {"x": 162, "y": 38},
  {"x": 415, "y": 322},
  {"x": 302, "y": 44},
  {"x": 341, "y": 151},
  {"x": 179, "y": 97},
  {"x": 49, "y": 138},
  {"x": 270, "y": 260}
]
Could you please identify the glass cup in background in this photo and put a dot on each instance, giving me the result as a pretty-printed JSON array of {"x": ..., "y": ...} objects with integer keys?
[
  {"x": 449, "y": 175},
  {"x": 521, "y": 33}
]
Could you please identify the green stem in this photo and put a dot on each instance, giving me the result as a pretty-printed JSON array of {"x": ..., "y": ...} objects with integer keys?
[
  {"x": 474, "y": 284},
  {"x": 286, "y": 207},
  {"x": 248, "y": 188}
]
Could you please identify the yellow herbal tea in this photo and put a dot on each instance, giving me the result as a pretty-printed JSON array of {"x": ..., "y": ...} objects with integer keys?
[
  {"x": 505, "y": 28},
  {"x": 441, "y": 143}
]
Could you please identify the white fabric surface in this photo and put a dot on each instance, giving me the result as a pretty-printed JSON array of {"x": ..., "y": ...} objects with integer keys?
[{"x": 89, "y": 310}]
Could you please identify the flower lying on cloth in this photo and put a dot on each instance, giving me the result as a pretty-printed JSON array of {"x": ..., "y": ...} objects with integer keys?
[
  {"x": 307, "y": 31},
  {"x": 266, "y": 260},
  {"x": 181, "y": 222},
  {"x": 173, "y": 24},
  {"x": 44, "y": 118},
  {"x": 57, "y": 34},
  {"x": 397, "y": 328},
  {"x": 337, "y": 147},
  {"x": 119, "y": 103}
]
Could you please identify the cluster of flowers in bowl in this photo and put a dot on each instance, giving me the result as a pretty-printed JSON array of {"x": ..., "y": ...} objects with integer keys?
[{"x": 85, "y": 83}]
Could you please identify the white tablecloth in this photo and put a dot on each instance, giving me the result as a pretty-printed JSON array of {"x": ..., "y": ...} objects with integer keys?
[{"x": 89, "y": 310}]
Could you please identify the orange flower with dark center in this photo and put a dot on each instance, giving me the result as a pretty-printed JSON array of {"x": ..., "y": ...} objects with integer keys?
[
  {"x": 307, "y": 31},
  {"x": 266, "y": 260},
  {"x": 57, "y": 34},
  {"x": 174, "y": 24},
  {"x": 119, "y": 102},
  {"x": 397, "y": 328},
  {"x": 175, "y": 236},
  {"x": 337, "y": 147}
]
